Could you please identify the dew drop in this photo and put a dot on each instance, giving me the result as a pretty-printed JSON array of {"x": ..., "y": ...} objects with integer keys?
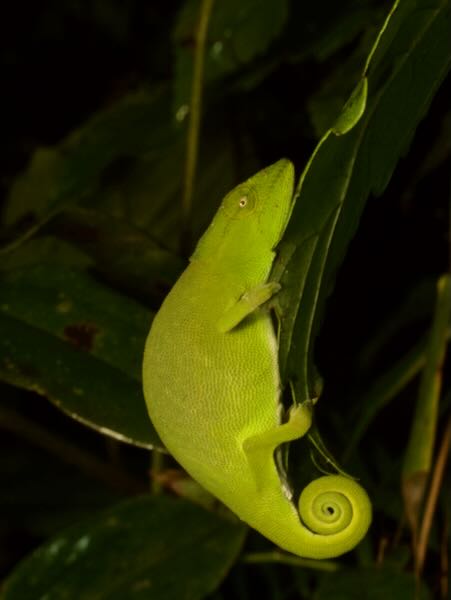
[
  {"x": 217, "y": 49},
  {"x": 182, "y": 113}
]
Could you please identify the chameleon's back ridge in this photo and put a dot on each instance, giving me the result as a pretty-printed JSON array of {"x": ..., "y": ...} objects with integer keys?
[{"x": 212, "y": 384}]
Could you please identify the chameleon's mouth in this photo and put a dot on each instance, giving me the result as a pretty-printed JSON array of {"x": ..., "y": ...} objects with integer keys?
[{"x": 279, "y": 186}]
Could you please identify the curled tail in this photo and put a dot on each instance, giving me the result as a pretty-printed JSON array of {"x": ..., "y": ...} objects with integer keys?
[{"x": 337, "y": 511}]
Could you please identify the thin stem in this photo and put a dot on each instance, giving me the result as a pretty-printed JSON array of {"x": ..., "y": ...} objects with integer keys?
[
  {"x": 192, "y": 141},
  {"x": 431, "y": 502},
  {"x": 444, "y": 560}
]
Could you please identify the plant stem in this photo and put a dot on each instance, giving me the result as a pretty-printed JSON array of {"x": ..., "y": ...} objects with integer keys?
[
  {"x": 431, "y": 502},
  {"x": 192, "y": 141}
]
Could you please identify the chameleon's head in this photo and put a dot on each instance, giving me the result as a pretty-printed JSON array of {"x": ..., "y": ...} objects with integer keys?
[{"x": 254, "y": 213}]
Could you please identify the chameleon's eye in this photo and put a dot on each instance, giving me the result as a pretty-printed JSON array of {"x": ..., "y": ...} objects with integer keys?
[{"x": 240, "y": 202}]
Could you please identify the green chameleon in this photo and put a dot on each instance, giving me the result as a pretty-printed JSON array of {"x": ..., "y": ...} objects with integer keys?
[{"x": 212, "y": 383}]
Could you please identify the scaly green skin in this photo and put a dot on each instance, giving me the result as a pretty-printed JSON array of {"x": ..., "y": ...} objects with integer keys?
[{"x": 211, "y": 379}]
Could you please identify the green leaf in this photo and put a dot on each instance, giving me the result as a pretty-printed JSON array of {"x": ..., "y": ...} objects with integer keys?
[
  {"x": 75, "y": 341},
  {"x": 422, "y": 439},
  {"x": 149, "y": 547},
  {"x": 353, "y": 109},
  {"x": 405, "y": 68},
  {"x": 326, "y": 103}
]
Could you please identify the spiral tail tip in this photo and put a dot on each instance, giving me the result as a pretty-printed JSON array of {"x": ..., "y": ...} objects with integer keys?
[{"x": 338, "y": 510}]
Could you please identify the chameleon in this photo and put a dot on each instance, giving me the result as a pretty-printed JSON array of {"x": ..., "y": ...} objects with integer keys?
[{"x": 212, "y": 384}]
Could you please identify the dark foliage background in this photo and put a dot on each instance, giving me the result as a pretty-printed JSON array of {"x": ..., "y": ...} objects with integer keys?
[{"x": 117, "y": 204}]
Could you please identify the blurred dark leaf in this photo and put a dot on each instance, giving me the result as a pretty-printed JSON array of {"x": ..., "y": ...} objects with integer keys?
[
  {"x": 137, "y": 124},
  {"x": 95, "y": 220},
  {"x": 322, "y": 28},
  {"x": 147, "y": 192},
  {"x": 149, "y": 547},
  {"x": 27, "y": 504},
  {"x": 124, "y": 254},
  {"x": 75, "y": 341},
  {"x": 238, "y": 32}
]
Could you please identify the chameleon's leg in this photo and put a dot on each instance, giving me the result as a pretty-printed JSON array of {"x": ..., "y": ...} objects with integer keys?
[
  {"x": 260, "y": 448},
  {"x": 248, "y": 302},
  {"x": 299, "y": 422}
]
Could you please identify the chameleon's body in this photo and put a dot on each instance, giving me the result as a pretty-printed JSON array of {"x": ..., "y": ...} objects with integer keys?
[{"x": 211, "y": 377}]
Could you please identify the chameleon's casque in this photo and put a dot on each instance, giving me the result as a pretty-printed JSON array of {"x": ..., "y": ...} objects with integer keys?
[{"x": 211, "y": 379}]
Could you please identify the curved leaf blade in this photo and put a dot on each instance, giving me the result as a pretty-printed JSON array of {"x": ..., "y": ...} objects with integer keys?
[
  {"x": 406, "y": 66},
  {"x": 149, "y": 547},
  {"x": 72, "y": 339}
]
